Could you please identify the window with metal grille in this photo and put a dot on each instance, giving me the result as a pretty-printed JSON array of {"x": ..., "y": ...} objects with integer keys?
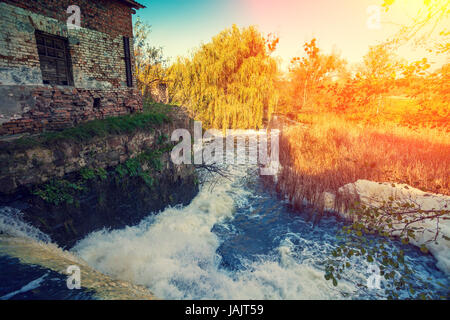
[
  {"x": 54, "y": 58},
  {"x": 126, "y": 47}
]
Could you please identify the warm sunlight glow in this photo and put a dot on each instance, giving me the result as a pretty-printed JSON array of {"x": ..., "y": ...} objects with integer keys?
[{"x": 231, "y": 150}]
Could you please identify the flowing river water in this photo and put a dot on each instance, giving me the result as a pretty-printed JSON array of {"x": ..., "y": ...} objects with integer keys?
[{"x": 235, "y": 240}]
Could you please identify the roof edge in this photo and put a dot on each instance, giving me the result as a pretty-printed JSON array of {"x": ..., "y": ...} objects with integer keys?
[{"x": 134, "y": 4}]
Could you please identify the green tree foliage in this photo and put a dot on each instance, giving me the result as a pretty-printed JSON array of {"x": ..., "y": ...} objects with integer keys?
[
  {"x": 369, "y": 235},
  {"x": 431, "y": 91},
  {"x": 431, "y": 19},
  {"x": 229, "y": 82},
  {"x": 149, "y": 60},
  {"x": 375, "y": 79},
  {"x": 311, "y": 75},
  {"x": 428, "y": 29}
]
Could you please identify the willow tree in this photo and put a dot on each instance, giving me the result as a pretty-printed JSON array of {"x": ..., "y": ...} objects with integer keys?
[{"x": 228, "y": 82}]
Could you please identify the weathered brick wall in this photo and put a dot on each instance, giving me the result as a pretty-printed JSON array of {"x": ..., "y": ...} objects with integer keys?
[
  {"x": 60, "y": 107},
  {"x": 112, "y": 17},
  {"x": 97, "y": 57}
]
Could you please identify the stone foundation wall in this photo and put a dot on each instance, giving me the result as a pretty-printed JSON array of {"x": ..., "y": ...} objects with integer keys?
[
  {"x": 53, "y": 108},
  {"x": 26, "y": 166},
  {"x": 113, "y": 196}
]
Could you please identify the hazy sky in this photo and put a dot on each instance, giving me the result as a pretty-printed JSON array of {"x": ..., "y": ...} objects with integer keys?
[{"x": 180, "y": 26}]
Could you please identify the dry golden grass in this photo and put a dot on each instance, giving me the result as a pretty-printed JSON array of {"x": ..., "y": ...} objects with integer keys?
[{"x": 329, "y": 152}]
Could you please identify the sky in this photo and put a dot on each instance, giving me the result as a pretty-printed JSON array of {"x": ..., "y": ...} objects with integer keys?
[{"x": 348, "y": 27}]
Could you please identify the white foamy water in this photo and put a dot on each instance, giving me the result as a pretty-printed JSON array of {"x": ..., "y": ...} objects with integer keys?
[
  {"x": 178, "y": 254},
  {"x": 174, "y": 254},
  {"x": 33, "y": 247},
  {"x": 51, "y": 257},
  {"x": 12, "y": 224},
  {"x": 29, "y": 286}
]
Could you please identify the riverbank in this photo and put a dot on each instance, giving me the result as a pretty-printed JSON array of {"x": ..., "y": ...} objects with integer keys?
[
  {"x": 428, "y": 213},
  {"x": 336, "y": 165},
  {"x": 327, "y": 152},
  {"x": 235, "y": 240},
  {"x": 103, "y": 174}
]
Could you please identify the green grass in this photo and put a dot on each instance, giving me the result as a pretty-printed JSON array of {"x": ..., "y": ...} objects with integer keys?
[
  {"x": 154, "y": 114},
  {"x": 60, "y": 191}
]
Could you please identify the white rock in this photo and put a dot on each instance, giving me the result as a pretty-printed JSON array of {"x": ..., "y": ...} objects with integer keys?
[{"x": 372, "y": 193}]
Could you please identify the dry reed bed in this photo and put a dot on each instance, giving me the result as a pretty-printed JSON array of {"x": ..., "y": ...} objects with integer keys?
[{"x": 332, "y": 152}]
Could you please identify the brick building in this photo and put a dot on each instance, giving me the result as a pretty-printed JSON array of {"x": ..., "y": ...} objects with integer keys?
[{"x": 54, "y": 74}]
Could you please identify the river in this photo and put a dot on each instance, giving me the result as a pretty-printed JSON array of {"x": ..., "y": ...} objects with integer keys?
[{"x": 235, "y": 240}]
